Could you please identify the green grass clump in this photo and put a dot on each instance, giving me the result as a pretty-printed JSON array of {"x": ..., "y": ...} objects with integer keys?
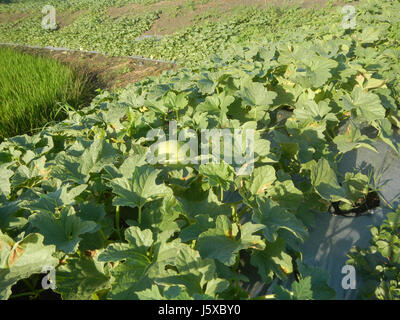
[{"x": 33, "y": 89}]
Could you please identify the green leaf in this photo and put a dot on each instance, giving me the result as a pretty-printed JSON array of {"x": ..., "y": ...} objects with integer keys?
[
  {"x": 386, "y": 134},
  {"x": 210, "y": 205},
  {"x": 157, "y": 91},
  {"x": 140, "y": 239},
  {"x": 140, "y": 188},
  {"x": 370, "y": 35},
  {"x": 302, "y": 289},
  {"x": 38, "y": 144},
  {"x": 48, "y": 203},
  {"x": 221, "y": 242},
  {"x": 273, "y": 261},
  {"x": 353, "y": 139},
  {"x": 319, "y": 281},
  {"x": 151, "y": 294},
  {"x": 274, "y": 218},
  {"x": 63, "y": 232},
  {"x": 309, "y": 109},
  {"x": 97, "y": 156},
  {"x": 216, "y": 105},
  {"x": 193, "y": 273},
  {"x": 262, "y": 178},
  {"x": 220, "y": 174},
  {"x": 286, "y": 194},
  {"x": 67, "y": 168},
  {"x": 206, "y": 85},
  {"x": 132, "y": 275},
  {"x": 20, "y": 259},
  {"x": 5, "y": 175},
  {"x": 255, "y": 94},
  {"x": 366, "y": 105},
  {"x": 93, "y": 159},
  {"x": 30, "y": 175},
  {"x": 324, "y": 180},
  {"x": 139, "y": 269},
  {"x": 160, "y": 215},
  {"x": 202, "y": 223},
  {"x": 80, "y": 278},
  {"x": 6, "y": 212},
  {"x": 311, "y": 71},
  {"x": 174, "y": 101},
  {"x": 282, "y": 293}
]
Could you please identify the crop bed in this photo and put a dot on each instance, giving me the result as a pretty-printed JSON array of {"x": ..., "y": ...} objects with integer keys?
[{"x": 81, "y": 198}]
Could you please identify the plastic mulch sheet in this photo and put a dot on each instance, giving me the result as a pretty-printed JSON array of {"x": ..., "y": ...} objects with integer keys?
[{"x": 333, "y": 236}]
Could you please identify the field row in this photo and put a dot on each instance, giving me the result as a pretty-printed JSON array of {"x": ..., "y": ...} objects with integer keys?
[{"x": 191, "y": 30}]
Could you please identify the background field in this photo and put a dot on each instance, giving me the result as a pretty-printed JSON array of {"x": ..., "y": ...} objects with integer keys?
[{"x": 192, "y": 30}]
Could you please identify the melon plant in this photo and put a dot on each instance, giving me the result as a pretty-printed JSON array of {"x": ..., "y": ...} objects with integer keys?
[{"x": 81, "y": 196}]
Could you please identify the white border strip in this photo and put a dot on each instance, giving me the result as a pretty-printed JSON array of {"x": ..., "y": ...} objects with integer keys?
[{"x": 85, "y": 51}]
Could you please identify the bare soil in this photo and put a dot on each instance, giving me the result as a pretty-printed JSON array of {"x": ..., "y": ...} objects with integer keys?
[
  {"x": 12, "y": 17},
  {"x": 65, "y": 18},
  {"x": 179, "y": 14}
]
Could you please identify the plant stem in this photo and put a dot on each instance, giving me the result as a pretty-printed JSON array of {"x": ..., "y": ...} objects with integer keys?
[
  {"x": 240, "y": 213},
  {"x": 29, "y": 285},
  {"x": 234, "y": 214},
  {"x": 103, "y": 235},
  {"x": 222, "y": 194},
  {"x": 269, "y": 296},
  {"x": 140, "y": 215},
  {"x": 236, "y": 265},
  {"x": 24, "y": 294},
  {"x": 117, "y": 222}
]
